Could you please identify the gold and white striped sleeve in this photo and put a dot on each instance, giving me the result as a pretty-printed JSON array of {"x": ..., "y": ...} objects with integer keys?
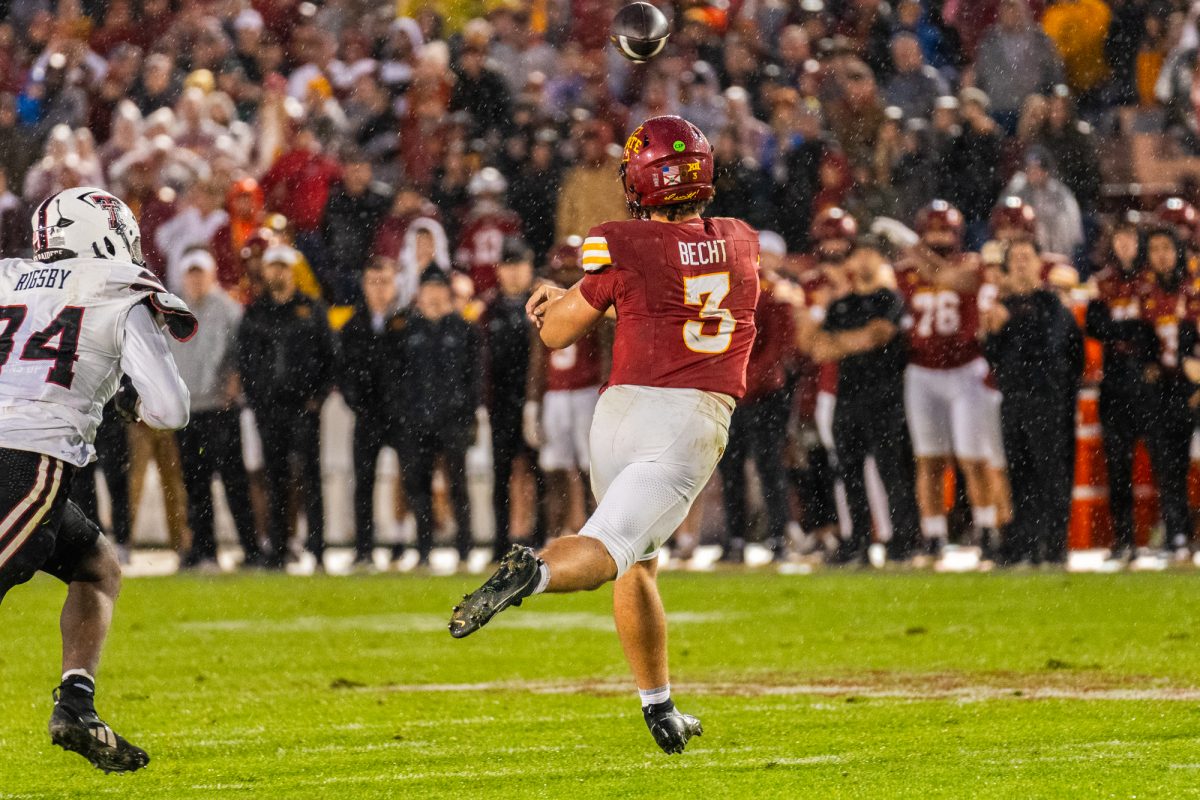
[{"x": 595, "y": 253}]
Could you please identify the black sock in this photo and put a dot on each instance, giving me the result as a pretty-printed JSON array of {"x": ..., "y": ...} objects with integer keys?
[{"x": 654, "y": 709}]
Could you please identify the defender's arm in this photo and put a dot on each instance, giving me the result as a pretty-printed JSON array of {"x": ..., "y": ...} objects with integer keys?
[{"x": 164, "y": 401}]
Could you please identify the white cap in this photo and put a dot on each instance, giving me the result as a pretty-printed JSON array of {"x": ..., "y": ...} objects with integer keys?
[
  {"x": 771, "y": 243},
  {"x": 248, "y": 20},
  {"x": 283, "y": 254},
  {"x": 197, "y": 259}
]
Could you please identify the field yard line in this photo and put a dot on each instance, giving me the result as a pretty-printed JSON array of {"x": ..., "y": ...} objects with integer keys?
[
  {"x": 412, "y": 622},
  {"x": 965, "y": 693}
]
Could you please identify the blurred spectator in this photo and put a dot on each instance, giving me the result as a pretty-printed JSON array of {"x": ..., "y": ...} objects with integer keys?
[
  {"x": 914, "y": 85},
  {"x": 1069, "y": 142},
  {"x": 298, "y": 185},
  {"x": 591, "y": 191},
  {"x": 481, "y": 92},
  {"x": 211, "y": 444},
  {"x": 758, "y": 427},
  {"x": 1015, "y": 39},
  {"x": 244, "y": 207},
  {"x": 159, "y": 85},
  {"x": 437, "y": 395},
  {"x": 972, "y": 165},
  {"x": 1060, "y": 223},
  {"x": 1079, "y": 28},
  {"x": 356, "y": 207},
  {"x": 506, "y": 336},
  {"x": 286, "y": 360},
  {"x": 484, "y": 228},
  {"x": 17, "y": 148},
  {"x": 195, "y": 223},
  {"x": 371, "y": 367},
  {"x": 425, "y": 247},
  {"x": 535, "y": 188}
]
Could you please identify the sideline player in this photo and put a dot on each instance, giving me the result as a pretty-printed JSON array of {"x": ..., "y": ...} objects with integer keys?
[
  {"x": 684, "y": 290},
  {"x": 75, "y": 324}
]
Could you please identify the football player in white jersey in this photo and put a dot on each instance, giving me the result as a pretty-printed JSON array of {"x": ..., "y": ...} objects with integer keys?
[{"x": 83, "y": 322}]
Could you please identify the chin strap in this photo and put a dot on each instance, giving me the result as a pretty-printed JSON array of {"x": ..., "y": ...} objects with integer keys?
[{"x": 172, "y": 312}]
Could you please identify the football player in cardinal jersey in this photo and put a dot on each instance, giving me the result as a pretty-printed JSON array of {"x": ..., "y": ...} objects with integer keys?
[
  {"x": 951, "y": 412},
  {"x": 487, "y": 224},
  {"x": 80, "y": 321},
  {"x": 684, "y": 290}
]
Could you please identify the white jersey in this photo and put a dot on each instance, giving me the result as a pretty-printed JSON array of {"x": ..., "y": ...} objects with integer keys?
[{"x": 69, "y": 330}]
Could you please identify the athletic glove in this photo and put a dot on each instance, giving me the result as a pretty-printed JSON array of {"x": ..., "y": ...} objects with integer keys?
[
  {"x": 125, "y": 401},
  {"x": 531, "y": 425}
]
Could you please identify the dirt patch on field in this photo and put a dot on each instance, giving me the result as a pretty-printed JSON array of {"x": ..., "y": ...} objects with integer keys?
[{"x": 964, "y": 687}]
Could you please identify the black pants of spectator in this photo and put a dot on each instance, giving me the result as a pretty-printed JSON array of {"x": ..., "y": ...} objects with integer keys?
[
  {"x": 112, "y": 458},
  {"x": 1037, "y": 435},
  {"x": 371, "y": 435},
  {"x": 288, "y": 434},
  {"x": 872, "y": 428},
  {"x": 1165, "y": 423},
  {"x": 757, "y": 430},
  {"x": 211, "y": 445},
  {"x": 507, "y": 446},
  {"x": 421, "y": 451}
]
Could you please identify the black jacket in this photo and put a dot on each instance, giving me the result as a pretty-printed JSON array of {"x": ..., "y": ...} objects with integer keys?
[
  {"x": 439, "y": 386},
  {"x": 349, "y": 225},
  {"x": 1039, "y": 352},
  {"x": 371, "y": 364},
  {"x": 286, "y": 353},
  {"x": 506, "y": 342}
]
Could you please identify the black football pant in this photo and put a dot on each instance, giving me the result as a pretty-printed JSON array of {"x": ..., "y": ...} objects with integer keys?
[
  {"x": 211, "y": 444},
  {"x": 421, "y": 452},
  {"x": 1039, "y": 438},
  {"x": 508, "y": 444},
  {"x": 758, "y": 430},
  {"x": 112, "y": 459},
  {"x": 864, "y": 428},
  {"x": 1164, "y": 421},
  {"x": 371, "y": 435},
  {"x": 289, "y": 433}
]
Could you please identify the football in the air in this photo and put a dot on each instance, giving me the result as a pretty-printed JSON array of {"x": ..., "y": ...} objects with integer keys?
[{"x": 640, "y": 31}]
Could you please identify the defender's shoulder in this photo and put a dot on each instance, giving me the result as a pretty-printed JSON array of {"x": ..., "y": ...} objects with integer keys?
[{"x": 121, "y": 277}]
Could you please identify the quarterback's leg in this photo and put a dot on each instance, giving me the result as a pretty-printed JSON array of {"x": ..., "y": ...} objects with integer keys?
[{"x": 642, "y": 628}]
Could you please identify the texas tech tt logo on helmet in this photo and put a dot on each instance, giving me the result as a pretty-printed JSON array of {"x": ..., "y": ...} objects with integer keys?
[{"x": 85, "y": 222}]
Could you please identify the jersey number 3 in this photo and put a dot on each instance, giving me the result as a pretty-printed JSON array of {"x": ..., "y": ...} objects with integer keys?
[
  {"x": 708, "y": 291},
  {"x": 65, "y": 327}
]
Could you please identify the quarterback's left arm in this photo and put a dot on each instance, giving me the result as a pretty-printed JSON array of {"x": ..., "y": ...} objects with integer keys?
[
  {"x": 163, "y": 399},
  {"x": 562, "y": 315}
]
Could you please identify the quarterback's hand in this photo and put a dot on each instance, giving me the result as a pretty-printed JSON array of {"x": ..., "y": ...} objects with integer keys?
[
  {"x": 531, "y": 425},
  {"x": 540, "y": 300},
  {"x": 125, "y": 401}
]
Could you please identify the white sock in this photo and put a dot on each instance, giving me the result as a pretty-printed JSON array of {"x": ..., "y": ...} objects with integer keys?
[
  {"x": 543, "y": 580},
  {"x": 934, "y": 527},
  {"x": 651, "y": 697},
  {"x": 984, "y": 517}
]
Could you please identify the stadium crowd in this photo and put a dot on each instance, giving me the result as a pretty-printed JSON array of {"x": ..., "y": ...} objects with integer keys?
[{"x": 356, "y": 197}]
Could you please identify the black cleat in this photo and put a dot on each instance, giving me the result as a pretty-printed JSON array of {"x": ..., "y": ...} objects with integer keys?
[
  {"x": 508, "y": 586},
  {"x": 75, "y": 726},
  {"x": 671, "y": 728}
]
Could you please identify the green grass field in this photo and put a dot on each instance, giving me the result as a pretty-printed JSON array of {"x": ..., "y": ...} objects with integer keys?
[{"x": 832, "y": 685}]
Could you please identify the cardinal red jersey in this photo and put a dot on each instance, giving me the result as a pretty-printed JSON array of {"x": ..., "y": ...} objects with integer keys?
[
  {"x": 574, "y": 367},
  {"x": 774, "y": 346},
  {"x": 685, "y": 295},
  {"x": 1118, "y": 291},
  {"x": 480, "y": 242},
  {"x": 1164, "y": 308},
  {"x": 943, "y": 325}
]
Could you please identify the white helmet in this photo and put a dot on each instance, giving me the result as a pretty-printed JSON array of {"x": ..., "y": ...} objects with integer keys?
[
  {"x": 488, "y": 180},
  {"x": 85, "y": 222}
]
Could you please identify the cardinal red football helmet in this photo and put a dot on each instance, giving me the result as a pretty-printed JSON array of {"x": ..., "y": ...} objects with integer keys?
[
  {"x": 1013, "y": 212},
  {"x": 833, "y": 223},
  {"x": 667, "y": 161}
]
